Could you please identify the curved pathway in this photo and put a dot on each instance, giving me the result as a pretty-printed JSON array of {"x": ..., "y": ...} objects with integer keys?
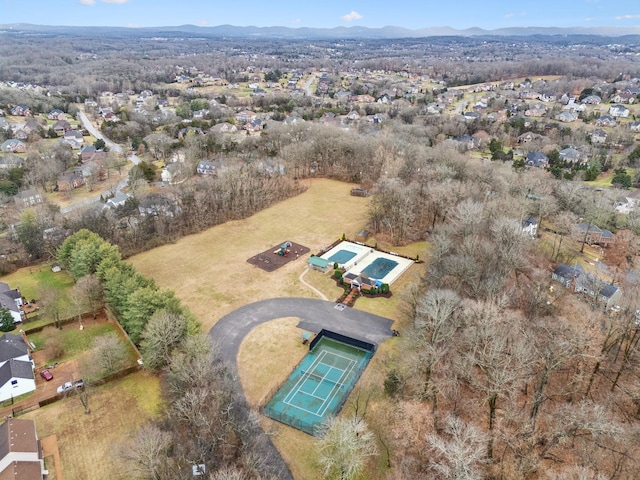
[
  {"x": 314, "y": 315},
  {"x": 311, "y": 287}
]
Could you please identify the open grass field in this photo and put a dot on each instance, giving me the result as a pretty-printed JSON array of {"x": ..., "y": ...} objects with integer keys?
[
  {"x": 88, "y": 443},
  {"x": 209, "y": 273},
  {"x": 31, "y": 280}
]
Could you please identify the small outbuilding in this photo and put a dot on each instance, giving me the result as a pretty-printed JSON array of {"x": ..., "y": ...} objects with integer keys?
[{"x": 320, "y": 264}]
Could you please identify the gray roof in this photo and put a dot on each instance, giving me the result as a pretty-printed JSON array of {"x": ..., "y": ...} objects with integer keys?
[
  {"x": 609, "y": 291},
  {"x": 11, "y": 346},
  {"x": 565, "y": 271},
  {"x": 15, "y": 369}
]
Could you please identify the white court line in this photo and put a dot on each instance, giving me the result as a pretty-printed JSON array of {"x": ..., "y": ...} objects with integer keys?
[{"x": 297, "y": 388}]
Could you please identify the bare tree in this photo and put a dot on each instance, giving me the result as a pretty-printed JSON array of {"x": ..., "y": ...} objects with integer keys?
[
  {"x": 344, "y": 447},
  {"x": 458, "y": 452},
  {"x": 109, "y": 354}
]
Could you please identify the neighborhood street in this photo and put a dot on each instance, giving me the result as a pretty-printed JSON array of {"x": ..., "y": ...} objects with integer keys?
[{"x": 86, "y": 123}]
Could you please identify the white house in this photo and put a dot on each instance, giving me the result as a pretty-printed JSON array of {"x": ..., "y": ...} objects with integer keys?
[
  {"x": 530, "y": 226},
  {"x": 16, "y": 367},
  {"x": 12, "y": 301}
]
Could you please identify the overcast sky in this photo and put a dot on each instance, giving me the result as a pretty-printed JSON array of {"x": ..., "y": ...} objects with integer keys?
[{"x": 488, "y": 14}]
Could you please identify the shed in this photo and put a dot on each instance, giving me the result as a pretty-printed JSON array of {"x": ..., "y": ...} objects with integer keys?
[
  {"x": 318, "y": 263},
  {"x": 362, "y": 236}
]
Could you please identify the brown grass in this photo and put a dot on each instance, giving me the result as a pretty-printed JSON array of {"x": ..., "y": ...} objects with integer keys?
[
  {"x": 87, "y": 442},
  {"x": 209, "y": 273}
]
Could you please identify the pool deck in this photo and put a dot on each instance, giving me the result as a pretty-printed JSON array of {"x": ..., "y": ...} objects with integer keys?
[{"x": 314, "y": 315}]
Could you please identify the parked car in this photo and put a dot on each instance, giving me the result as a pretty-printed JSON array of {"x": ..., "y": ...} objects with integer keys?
[
  {"x": 79, "y": 383},
  {"x": 65, "y": 387},
  {"x": 46, "y": 374}
]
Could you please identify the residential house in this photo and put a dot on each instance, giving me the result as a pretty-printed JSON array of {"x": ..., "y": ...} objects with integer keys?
[
  {"x": 466, "y": 141},
  {"x": 13, "y": 145},
  {"x": 16, "y": 368},
  {"x": 385, "y": 99},
  {"x": 626, "y": 205},
  {"x": 4, "y": 125},
  {"x": 598, "y": 136},
  {"x": 11, "y": 161},
  {"x": 634, "y": 126},
  {"x": 70, "y": 180},
  {"x": 21, "y": 134},
  {"x": 604, "y": 294},
  {"x": 470, "y": 116},
  {"x": 74, "y": 138},
  {"x": 623, "y": 97},
  {"x": 61, "y": 127},
  {"x": 530, "y": 226},
  {"x": 537, "y": 159},
  {"x": 207, "y": 167},
  {"x": 245, "y": 116},
  {"x": 536, "y": 110},
  {"x": 173, "y": 173},
  {"x": 528, "y": 137},
  {"x": 21, "y": 111},
  {"x": 254, "y": 125},
  {"x": 28, "y": 198},
  {"x": 361, "y": 281},
  {"x": 572, "y": 155},
  {"x": 56, "y": 114},
  {"x": 566, "y": 275},
  {"x": 591, "y": 100},
  {"x": 619, "y": 111},
  {"x": 32, "y": 127},
  {"x": 117, "y": 200},
  {"x": 605, "y": 121},
  {"x": 353, "y": 115},
  {"x": 567, "y": 117},
  {"x": 189, "y": 132},
  {"x": 224, "y": 127},
  {"x": 11, "y": 299},
  {"x": 594, "y": 235},
  {"x": 20, "y": 451}
]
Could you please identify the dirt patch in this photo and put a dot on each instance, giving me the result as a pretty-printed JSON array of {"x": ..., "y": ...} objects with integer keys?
[
  {"x": 278, "y": 256},
  {"x": 51, "y": 456}
]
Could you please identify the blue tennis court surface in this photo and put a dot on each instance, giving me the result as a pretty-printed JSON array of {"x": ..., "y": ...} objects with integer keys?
[{"x": 319, "y": 385}]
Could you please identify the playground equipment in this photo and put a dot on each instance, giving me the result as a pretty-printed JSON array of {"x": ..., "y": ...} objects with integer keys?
[{"x": 284, "y": 249}]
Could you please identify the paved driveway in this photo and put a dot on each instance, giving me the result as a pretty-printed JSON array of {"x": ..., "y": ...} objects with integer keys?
[{"x": 314, "y": 315}]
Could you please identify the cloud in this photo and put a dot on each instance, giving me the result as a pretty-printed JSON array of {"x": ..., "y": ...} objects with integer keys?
[
  {"x": 627, "y": 17},
  {"x": 202, "y": 22},
  {"x": 350, "y": 17},
  {"x": 296, "y": 21},
  {"x": 87, "y": 2},
  {"x": 509, "y": 15},
  {"x": 114, "y": 1}
]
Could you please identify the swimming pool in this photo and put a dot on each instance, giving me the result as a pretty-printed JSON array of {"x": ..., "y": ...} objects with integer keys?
[
  {"x": 385, "y": 267},
  {"x": 380, "y": 268},
  {"x": 347, "y": 254},
  {"x": 342, "y": 256}
]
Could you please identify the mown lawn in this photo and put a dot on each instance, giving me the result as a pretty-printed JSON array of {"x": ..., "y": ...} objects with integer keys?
[
  {"x": 31, "y": 280},
  {"x": 74, "y": 340},
  {"x": 89, "y": 443}
]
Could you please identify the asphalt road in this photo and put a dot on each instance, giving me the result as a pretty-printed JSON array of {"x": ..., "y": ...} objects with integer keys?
[{"x": 314, "y": 315}]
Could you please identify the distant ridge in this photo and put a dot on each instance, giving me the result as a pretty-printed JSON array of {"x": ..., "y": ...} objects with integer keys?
[{"x": 387, "y": 32}]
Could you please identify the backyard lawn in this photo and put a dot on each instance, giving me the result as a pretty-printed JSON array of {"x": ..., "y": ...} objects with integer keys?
[
  {"x": 31, "y": 280},
  {"x": 88, "y": 443}
]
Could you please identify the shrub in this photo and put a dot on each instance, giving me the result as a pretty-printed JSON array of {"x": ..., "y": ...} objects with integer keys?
[
  {"x": 384, "y": 288},
  {"x": 53, "y": 344},
  {"x": 335, "y": 265},
  {"x": 337, "y": 274},
  {"x": 393, "y": 383}
]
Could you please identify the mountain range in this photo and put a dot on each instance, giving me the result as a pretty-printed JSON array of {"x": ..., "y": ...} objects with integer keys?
[{"x": 388, "y": 32}]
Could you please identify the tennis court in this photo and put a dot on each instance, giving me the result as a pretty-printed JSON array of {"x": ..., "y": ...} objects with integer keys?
[{"x": 319, "y": 385}]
